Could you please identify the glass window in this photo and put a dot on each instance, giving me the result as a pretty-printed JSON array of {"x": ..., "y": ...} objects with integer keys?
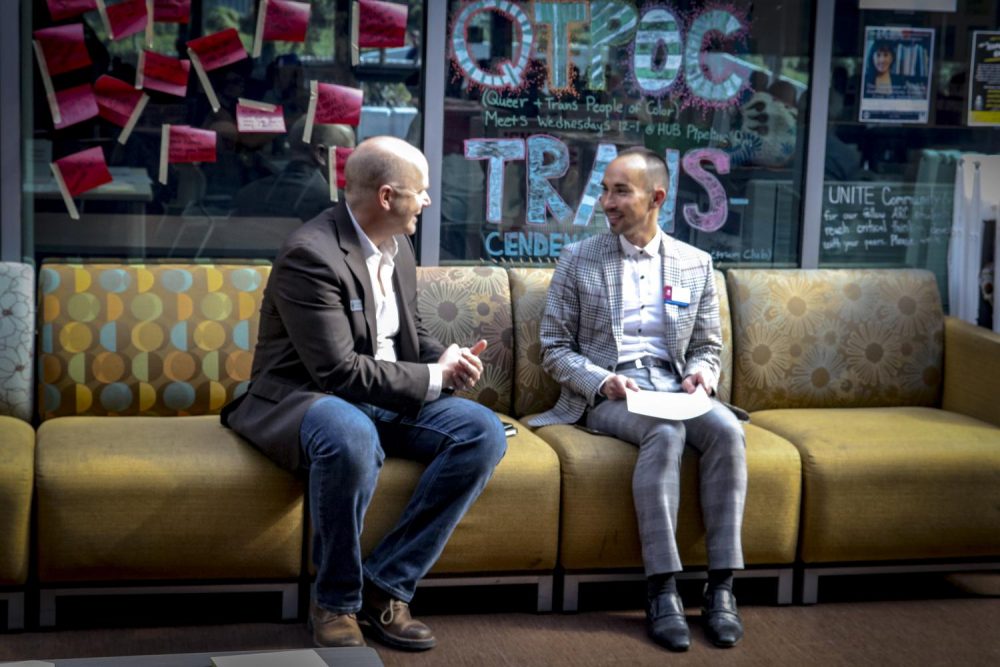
[
  {"x": 260, "y": 186},
  {"x": 541, "y": 96},
  {"x": 892, "y": 147}
]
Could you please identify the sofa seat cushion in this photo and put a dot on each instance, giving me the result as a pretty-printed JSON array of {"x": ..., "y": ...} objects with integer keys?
[
  {"x": 894, "y": 483},
  {"x": 147, "y": 498},
  {"x": 17, "y": 470},
  {"x": 599, "y": 529},
  {"x": 513, "y": 526}
]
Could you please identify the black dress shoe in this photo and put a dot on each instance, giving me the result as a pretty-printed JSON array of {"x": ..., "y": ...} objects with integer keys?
[
  {"x": 723, "y": 625},
  {"x": 665, "y": 622}
]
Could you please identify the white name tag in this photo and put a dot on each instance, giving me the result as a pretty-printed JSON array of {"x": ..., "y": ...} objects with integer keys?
[
  {"x": 677, "y": 296},
  {"x": 356, "y": 305}
]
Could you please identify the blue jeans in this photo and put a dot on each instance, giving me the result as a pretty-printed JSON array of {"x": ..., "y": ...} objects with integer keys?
[{"x": 344, "y": 445}]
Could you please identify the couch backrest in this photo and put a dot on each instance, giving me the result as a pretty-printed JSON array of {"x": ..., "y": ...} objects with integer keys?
[
  {"x": 835, "y": 338},
  {"x": 146, "y": 339},
  {"x": 461, "y": 304},
  {"x": 534, "y": 391},
  {"x": 17, "y": 339}
]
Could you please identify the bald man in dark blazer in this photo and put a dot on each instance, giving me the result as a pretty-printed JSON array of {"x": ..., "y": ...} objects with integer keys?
[{"x": 343, "y": 374}]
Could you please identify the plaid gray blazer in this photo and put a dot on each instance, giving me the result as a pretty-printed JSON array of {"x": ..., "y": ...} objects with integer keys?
[{"x": 581, "y": 328}]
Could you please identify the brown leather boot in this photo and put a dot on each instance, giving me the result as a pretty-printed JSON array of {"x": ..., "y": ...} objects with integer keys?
[
  {"x": 332, "y": 630},
  {"x": 388, "y": 621}
]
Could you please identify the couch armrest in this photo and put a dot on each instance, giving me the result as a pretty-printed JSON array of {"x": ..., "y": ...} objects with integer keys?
[{"x": 971, "y": 370}]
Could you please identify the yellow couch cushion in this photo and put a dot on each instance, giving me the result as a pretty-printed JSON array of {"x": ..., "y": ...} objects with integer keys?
[
  {"x": 146, "y": 339},
  {"x": 513, "y": 526},
  {"x": 598, "y": 529},
  {"x": 133, "y": 498},
  {"x": 894, "y": 483},
  {"x": 463, "y": 304},
  {"x": 17, "y": 472},
  {"x": 836, "y": 338}
]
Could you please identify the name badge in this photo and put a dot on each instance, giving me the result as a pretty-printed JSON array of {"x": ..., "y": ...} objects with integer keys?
[
  {"x": 677, "y": 296},
  {"x": 356, "y": 305}
]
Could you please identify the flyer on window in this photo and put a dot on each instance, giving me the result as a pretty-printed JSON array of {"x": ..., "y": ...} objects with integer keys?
[
  {"x": 984, "y": 84},
  {"x": 896, "y": 75}
]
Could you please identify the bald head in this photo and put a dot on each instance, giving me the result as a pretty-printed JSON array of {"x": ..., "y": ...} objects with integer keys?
[
  {"x": 379, "y": 161},
  {"x": 653, "y": 165},
  {"x": 323, "y": 136}
]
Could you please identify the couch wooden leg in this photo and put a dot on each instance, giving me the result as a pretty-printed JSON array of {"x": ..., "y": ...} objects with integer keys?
[
  {"x": 545, "y": 594},
  {"x": 15, "y": 610}
]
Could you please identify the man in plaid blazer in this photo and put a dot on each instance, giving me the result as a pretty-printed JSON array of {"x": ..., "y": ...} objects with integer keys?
[{"x": 633, "y": 310}]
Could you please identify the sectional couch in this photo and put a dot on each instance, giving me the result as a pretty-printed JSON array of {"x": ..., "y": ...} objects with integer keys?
[{"x": 873, "y": 442}]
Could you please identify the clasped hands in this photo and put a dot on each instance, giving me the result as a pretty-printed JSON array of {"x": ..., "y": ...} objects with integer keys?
[
  {"x": 461, "y": 366},
  {"x": 616, "y": 385}
]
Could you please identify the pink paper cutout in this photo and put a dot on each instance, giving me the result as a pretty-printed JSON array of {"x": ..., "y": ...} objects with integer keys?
[
  {"x": 342, "y": 155},
  {"x": 172, "y": 11},
  {"x": 165, "y": 74},
  {"x": 338, "y": 104},
  {"x": 64, "y": 9},
  {"x": 218, "y": 49},
  {"x": 286, "y": 21},
  {"x": 84, "y": 171},
  {"x": 251, "y": 120},
  {"x": 190, "y": 144},
  {"x": 381, "y": 24},
  {"x": 127, "y": 18},
  {"x": 63, "y": 47},
  {"x": 76, "y": 105},
  {"x": 116, "y": 100}
]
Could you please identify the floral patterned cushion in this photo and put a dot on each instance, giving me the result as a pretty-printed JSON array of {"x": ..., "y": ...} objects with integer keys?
[
  {"x": 17, "y": 338},
  {"x": 534, "y": 390},
  {"x": 463, "y": 304},
  {"x": 146, "y": 339},
  {"x": 836, "y": 338}
]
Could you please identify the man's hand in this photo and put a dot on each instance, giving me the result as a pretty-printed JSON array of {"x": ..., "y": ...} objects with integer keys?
[
  {"x": 691, "y": 383},
  {"x": 616, "y": 386},
  {"x": 461, "y": 366}
]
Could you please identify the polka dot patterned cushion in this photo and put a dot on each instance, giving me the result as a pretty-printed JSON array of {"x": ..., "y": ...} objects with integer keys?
[
  {"x": 463, "y": 304},
  {"x": 17, "y": 337},
  {"x": 146, "y": 339},
  {"x": 836, "y": 338}
]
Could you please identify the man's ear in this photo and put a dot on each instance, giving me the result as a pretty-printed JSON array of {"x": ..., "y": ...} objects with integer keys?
[
  {"x": 320, "y": 154},
  {"x": 659, "y": 196},
  {"x": 385, "y": 197}
]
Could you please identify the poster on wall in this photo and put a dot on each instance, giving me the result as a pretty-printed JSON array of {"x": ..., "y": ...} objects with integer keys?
[
  {"x": 984, "y": 84},
  {"x": 896, "y": 75}
]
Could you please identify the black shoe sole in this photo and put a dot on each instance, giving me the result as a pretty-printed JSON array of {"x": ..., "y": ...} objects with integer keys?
[{"x": 371, "y": 628}]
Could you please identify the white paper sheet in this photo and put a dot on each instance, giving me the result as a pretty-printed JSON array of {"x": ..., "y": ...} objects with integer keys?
[{"x": 668, "y": 405}]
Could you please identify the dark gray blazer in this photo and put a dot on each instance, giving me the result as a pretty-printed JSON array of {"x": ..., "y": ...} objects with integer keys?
[{"x": 317, "y": 337}]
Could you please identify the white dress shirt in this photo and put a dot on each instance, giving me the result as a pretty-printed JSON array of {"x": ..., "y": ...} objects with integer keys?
[
  {"x": 381, "y": 263},
  {"x": 643, "y": 322}
]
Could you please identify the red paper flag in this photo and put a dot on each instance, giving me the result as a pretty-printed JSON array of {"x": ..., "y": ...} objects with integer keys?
[
  {"x": 259, "y": 117},
  {"x": 190, "y": 144},
  {"x": 338, "y": 104},
  {"x": 116, "y": 99},
  {"x": 381, "y": 24},
  {"x": 84, "y": 171},
  {"x": 127, "y": 18},
  {"x": 63, "y": 48},
  {"x": 163, "y": 73},
  {"x": 64, "y": 9},
  {"x": 172, "y": 11},
  {"x": 76, "y": 105},
  {"x": 218, "y": 49},
  {"x": 286, "y": 21}
]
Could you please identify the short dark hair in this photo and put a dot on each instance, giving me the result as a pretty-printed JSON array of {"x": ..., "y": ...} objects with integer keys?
[{"x": 656, "y": 166}]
